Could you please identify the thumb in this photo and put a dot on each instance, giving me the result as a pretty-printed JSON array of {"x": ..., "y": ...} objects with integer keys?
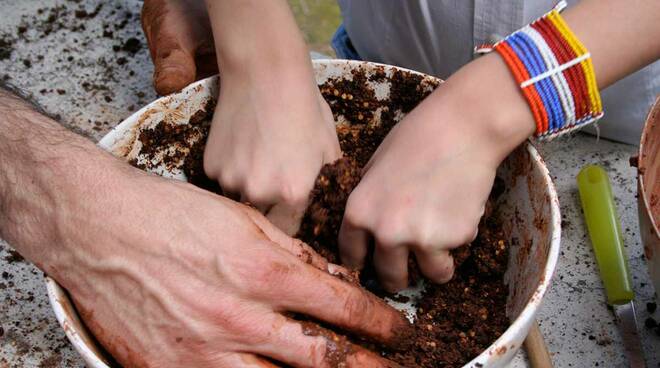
[
  {"x": 171, "y": 45},
  {"x": 174, "y": 66}
]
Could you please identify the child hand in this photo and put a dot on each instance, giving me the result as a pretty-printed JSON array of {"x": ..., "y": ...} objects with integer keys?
[
  {"x": 425, "y": 189},
  {"x": 267, "y": 148}
]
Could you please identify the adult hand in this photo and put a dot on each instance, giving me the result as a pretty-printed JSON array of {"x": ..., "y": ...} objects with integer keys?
[
  {"x": 425, "y": 189},
  {"x": 169, "y": 275},
  {"x": 188, "y": 278},
  {"x": 180, "y": 42}
]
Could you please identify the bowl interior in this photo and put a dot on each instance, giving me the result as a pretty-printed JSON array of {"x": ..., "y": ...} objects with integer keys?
[{"x": 528, "y": 210}]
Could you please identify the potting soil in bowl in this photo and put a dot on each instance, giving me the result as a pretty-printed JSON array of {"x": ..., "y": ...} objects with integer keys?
[{"x": 455, "y": 321}]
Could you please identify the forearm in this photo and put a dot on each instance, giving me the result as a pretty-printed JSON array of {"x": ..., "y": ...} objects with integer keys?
[
  {"x": 44, "y": 170},
  {"x": 622, "y": 37},
  {"x": 256, "y": 36}
]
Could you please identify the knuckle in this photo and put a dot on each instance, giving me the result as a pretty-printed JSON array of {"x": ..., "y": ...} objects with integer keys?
[
  {"x": 467, "y": 234},
  {"x": 307, "y": 254},
  {"x": 166, "y": 47},
  {"x": 295, "y": 194},
  {"x": 231, "y": 315},
  {"x": 210, "y": 164},
  {"x": 269, "y": 276},
  {"x": 474, "y": 235},
  {"x": 391, "y": 231},
  {"x": 332, "y": 151},
  {"x": 356, "y": 308},
  {"x": 427, "y": 247},
  {"x": 210, "y": 169},
  {"x": 254, "y": 192},
  {"x": 460, "y": 234},
  {"x": 428, "y": 231},
  {"x": 356, "y": 212},
  {"x": 244, "y": 326},
  {"x": 228, "y": 180}
]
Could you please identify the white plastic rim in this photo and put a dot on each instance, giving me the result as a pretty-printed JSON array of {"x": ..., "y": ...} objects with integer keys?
[{"x": 498, "y": 354}]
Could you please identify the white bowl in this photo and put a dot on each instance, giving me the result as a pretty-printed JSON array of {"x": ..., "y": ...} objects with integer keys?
[
  {"x": 648, "y": 186},
  {"x": 528, "y": 210}
]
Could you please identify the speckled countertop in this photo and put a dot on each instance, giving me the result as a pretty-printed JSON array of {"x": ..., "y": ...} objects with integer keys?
[{"x": 85, "y": 69}]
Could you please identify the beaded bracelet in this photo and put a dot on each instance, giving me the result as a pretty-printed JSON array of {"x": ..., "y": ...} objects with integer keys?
[{"x": 555, "y": 74}]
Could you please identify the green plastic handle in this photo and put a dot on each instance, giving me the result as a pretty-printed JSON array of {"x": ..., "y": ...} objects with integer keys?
[{"x": 605, "y": 233}]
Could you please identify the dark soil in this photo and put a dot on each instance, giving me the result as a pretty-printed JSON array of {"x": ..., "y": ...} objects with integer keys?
[
  {"x": 81, "y": 21},
  {"x": 166, "y": 134},
  {"x": 6, "y": 47},
  {"x": 455, "y": 321},
  {"x": 13, "y": 257},
  {"x": 132, "y": 45}
]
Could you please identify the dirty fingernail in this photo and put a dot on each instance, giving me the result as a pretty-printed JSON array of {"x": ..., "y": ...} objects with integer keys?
[
  {"x": 402, "y": 333},
  {"x": 352, "y": 277}
]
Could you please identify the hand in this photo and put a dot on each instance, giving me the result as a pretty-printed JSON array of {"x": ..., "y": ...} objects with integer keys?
[
  {"x": 188, "y": 278},
  {"x": 425, "y": 189},
  {"x": 180, "y": 42},
  {"x": 272, "y": 131},
  {"x": 169, "y": 275},
  {"x": 267, "y": 149}
]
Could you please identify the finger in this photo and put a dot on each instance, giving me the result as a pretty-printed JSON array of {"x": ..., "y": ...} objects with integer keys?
[
  {"x": 172, "y": 44},
  {"x": 352, "y": 277},
  {"x": 287, "y": 217},
  {"x": 297, "y": 247},
  {"x": 243, "y": 360},
  {"x": 340, "y": 303},
  {"x": 261, "y": 207},
  {"x": 353, "y": 245},
  {"x": 174, "y": 64},
  {"x": 151, "y": 17},
  {"x": 437, "y": 265},
  {"x": 294, "y": 246},
  {"x": 305, "y": 344},
  {"x": 391, "y": 264}
]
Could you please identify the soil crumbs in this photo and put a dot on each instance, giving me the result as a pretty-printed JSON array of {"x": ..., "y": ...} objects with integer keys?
[{"x": 455, "y": 321}]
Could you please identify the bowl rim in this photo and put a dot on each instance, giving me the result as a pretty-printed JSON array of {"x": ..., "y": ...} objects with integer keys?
[
  {"x": 646, "y": 132},
  {"x": 62, "y": 305}
]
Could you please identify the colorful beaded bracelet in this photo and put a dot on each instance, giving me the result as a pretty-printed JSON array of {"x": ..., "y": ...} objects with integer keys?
[{"x": 555, "y": 74}]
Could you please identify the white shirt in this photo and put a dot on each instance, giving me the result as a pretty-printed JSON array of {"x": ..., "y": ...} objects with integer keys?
[{"x": 438, "y": 37}]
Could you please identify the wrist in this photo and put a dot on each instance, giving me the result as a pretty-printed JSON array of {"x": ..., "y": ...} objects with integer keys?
[
  {"x": 272, "y": 69},
  {"x": 49, "y": 182},
  {"x": 487, "y": 98},
  {"x": 256, "y": 37},
  {"x": 265, "y": 60}
]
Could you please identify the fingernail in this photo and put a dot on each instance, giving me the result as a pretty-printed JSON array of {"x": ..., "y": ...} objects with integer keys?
[
  {"x": 393, "y": 287},
  {"x": 403, "y": 333},
  {"x": 350, "y": 276}
]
